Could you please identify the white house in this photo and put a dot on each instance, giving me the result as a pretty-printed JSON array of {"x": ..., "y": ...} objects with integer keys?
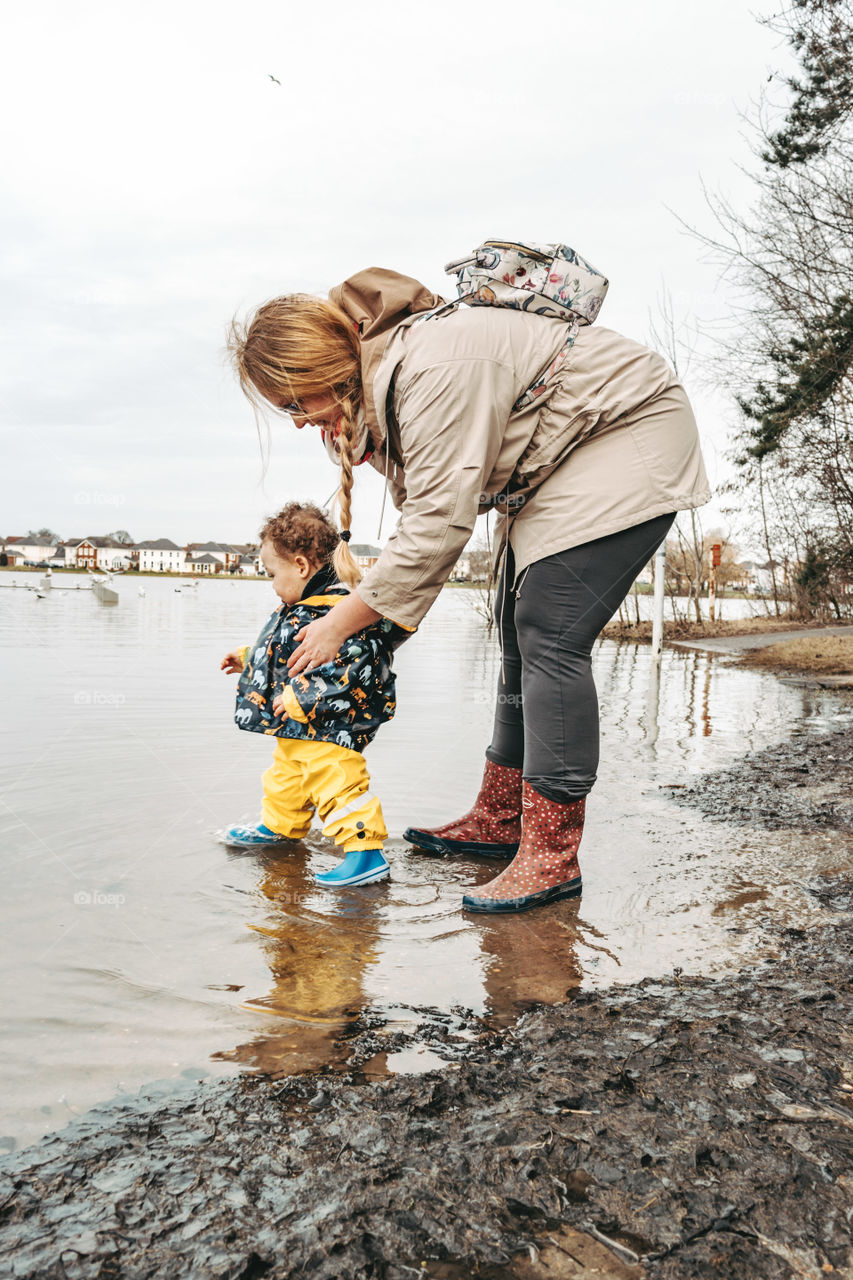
[
  {"x": 161, "y": 555},
  {"x": 113, "y": 555},
  {"x": 195, "y": 551},
  {"x": 207, "y": 563},
  {"x": 33, "y": 550}
]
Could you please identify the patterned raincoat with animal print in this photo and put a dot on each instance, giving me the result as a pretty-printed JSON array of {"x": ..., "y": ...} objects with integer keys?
[{"x": 344, "y": 701}]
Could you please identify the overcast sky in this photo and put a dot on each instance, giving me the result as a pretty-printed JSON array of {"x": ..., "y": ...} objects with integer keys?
[{"x": 155, "y": 180}]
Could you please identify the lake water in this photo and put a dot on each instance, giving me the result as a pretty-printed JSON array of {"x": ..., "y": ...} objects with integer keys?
[{"x": 138, "y": 947}]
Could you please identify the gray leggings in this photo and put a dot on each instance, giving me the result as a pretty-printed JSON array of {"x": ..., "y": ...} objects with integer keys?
[{"x": 546, "y": 719}]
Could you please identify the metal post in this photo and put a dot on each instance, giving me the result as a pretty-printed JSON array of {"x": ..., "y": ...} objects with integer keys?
[{"x": 657, "y": 612}]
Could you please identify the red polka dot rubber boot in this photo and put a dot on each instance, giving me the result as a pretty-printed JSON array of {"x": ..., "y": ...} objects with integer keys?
[
  {"x": 545, "y": 869},
  {"x": 492, "y": 828}
]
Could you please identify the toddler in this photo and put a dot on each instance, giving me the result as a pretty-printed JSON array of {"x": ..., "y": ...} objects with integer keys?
[{"x": 321, "y": 719}]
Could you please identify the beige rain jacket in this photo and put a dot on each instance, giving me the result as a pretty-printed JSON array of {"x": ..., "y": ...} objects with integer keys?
[{"x": 611, "y": 443}]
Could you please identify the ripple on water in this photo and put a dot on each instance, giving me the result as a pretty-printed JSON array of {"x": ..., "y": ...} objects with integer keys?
[{"x": 140, "y": 946}]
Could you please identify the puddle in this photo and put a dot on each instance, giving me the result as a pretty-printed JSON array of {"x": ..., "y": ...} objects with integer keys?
[
  {"x": 414, "y": 1061},
  {"x": 140, "y": 948}
]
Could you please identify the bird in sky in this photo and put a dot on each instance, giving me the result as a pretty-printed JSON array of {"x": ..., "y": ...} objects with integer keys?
[{"x": 272, "y": 77}]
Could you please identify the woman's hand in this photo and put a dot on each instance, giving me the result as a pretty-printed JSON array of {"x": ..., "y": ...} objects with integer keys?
[
  {"x": 231, "y": 664},
  {"x": 319, "y": 643},
  {"x": 322, "y": 638}
]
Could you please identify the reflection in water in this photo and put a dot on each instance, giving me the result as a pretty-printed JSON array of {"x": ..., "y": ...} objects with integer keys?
[
  {"x": 532, "y": 958},
  {"x": 706, "y": 700},
  {"x": 320, "y": 949},
  {"x": 649, "y": 722},
  {"x": 317, "y": 963},
  {"x": 139, "y": 947}
]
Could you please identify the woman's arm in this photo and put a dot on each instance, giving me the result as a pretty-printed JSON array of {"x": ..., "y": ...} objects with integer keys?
[{"x": 322, "y": 638}]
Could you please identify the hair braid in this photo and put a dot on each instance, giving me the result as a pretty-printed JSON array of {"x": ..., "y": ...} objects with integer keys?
[{"x": 343, "y": 561}]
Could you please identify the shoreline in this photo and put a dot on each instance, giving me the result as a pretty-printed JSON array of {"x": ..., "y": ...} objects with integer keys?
[
  {"x": 820, "y": 651},
  {"x": 670, "y": 1129}
]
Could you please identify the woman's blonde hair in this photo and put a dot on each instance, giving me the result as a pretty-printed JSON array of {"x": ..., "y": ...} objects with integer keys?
[{"x": 298, "y": 346}]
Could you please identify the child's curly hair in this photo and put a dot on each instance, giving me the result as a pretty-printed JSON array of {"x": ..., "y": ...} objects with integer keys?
[{"x": 303, "y": 529}]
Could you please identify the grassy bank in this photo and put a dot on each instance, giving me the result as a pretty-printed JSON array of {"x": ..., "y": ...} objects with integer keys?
[{"x": 813, "y": 651}]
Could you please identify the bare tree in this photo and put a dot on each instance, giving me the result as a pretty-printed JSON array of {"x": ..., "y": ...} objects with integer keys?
[{"x": 789, "y": 258}]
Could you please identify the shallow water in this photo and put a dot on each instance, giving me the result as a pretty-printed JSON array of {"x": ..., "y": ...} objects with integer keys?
[{"x": 138, "y": 947}]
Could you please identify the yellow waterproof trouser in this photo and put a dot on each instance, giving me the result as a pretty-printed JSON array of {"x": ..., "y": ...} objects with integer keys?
[{"x": 305, "y": 776}]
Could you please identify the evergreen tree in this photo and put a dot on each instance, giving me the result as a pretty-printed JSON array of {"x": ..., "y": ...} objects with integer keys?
[{"x": 790, "y": 365}]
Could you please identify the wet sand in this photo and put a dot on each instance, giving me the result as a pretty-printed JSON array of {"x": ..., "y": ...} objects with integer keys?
[{"x": 678, "y": 1127}]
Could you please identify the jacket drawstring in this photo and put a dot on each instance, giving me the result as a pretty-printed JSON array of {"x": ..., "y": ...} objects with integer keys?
[{"x": 385, "y": 487}]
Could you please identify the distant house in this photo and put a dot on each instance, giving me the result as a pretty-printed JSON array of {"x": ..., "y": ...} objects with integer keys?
[
  {"x": 97, "y": 553},
  {"x": 157, "y": 555},
  {"x": 32, "y": 550},
  {"x": 229, "y": 554},
  {"x": 249, "y": 566},
  {"x": 237, "y": 553},
  {"x": 759, "y": 577},
  {"x": 364, "y": 555},
  {"x": 62, "y": 558},
  {"x": 160, "y": 555},
  {"x": 115, "y": 555},
  {"x": 207, "y": 563},
  {"x": 217, "y": 550},
  {"x": 92, "y": 552}
]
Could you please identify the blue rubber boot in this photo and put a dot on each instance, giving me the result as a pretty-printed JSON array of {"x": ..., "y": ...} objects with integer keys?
[
  {"x": 257, "y": 837},
  {"x": 362, "y": 866}
]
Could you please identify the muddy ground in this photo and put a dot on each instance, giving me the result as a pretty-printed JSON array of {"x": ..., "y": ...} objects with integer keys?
[
  {"x": 804, "y": 785},
  {"x": 671, "y": 1129}
]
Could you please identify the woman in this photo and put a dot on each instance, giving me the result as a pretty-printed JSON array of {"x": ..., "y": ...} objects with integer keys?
[{"x": 586, "y": 480}]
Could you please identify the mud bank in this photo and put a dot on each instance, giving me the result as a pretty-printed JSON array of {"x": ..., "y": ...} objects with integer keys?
[
  {"x": 678, "y": 1129},
  {"x": 805, "y": 784}
]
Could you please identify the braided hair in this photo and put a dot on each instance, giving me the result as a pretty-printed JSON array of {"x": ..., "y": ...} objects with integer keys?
[
  {"x": 298, "y": 346},
  {"x": 343, "y": 560}
]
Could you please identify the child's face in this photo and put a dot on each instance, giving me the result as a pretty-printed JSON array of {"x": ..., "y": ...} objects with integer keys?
[{"x": 289, "y": 575}]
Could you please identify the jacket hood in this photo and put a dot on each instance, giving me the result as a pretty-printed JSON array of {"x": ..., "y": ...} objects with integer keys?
[{"x": 378, "y": 300}]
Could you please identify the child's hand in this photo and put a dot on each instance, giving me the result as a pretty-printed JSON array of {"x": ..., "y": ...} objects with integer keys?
[
  {"x": 278, "y": 707},
  {"x": 231, "y": 664}
]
